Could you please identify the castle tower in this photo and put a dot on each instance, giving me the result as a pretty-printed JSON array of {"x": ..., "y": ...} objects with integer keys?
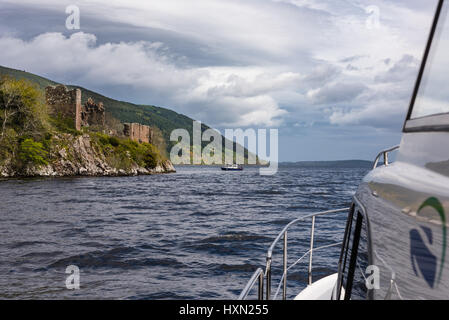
[{"x": 65, "y": 103}]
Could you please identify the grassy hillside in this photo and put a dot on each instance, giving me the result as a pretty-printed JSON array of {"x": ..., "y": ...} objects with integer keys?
[
  {"x": 164, "y": 119},
  {"x": 17, "y": 74},
  {"x": 35, "y": 142}
]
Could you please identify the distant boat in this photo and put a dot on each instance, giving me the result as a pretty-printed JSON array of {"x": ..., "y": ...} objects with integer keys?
[{"x": 232, "y": 167}]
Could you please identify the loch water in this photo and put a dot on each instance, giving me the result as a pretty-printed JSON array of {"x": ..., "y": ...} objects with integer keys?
[{"x": 196, "y": 234}]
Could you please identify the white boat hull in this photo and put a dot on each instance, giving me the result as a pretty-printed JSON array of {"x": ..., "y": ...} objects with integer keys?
[{"x": 320, "y": 290}]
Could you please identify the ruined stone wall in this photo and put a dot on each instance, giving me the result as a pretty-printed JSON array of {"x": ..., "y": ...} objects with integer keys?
[
  {"x": 138, "y": 132},
  {"x": 93, "y": 114},
  {"x": 65, "y": 103}
]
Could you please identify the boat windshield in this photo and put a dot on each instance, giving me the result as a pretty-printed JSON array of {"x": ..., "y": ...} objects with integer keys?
[{"x": 433, "y": 94}]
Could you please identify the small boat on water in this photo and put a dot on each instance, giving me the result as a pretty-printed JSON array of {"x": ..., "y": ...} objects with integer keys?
[{"x": 232, "y": 167}]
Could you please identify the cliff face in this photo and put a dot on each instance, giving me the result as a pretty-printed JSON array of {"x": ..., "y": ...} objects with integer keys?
[{"x": 80, "y": 156}]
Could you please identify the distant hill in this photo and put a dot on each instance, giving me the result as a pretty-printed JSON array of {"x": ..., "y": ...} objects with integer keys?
[
  {"x": 329, "y": 164},
  {"x": 164, "y": 119}
]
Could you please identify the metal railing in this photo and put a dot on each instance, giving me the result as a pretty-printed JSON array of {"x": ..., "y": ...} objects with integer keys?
[
  {"x": 385, "y": 154},
  {"x": 258, "y": 275},
  {"x": 265, "y": 276}
]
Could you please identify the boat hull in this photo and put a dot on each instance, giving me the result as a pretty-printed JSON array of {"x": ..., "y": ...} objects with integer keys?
[{"x": 228, "y": 169}]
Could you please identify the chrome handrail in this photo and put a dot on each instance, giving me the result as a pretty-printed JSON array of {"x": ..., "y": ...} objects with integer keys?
[
  {"x": 258, "y": 275},
  {"x": 298, "y": 261},
  {"x": 284, "y": 234},
  {"x": 385, "y": 154}
]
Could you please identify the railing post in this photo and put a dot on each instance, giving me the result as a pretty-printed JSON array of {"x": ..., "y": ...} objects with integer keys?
[
  {"x": 376, "y": 162},
  {"x": 386, "y": 159},
  {"x": 312, "y": 235},
  {"x": 260, "y": 286},
  {"x": 284, "y": 295},
  {"x": 268, "y": 278}
]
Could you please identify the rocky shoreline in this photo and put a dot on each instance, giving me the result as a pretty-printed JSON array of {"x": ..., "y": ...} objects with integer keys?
[{"x": 79, "y": 156}]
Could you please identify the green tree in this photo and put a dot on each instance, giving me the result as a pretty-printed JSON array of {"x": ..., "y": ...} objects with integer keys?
[
  {"x": 22, "y": 108},
  {"x": 32, "y": 152}
]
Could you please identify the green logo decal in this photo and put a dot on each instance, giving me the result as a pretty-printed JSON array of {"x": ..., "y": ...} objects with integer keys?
[{"x": 436, "y": 204}]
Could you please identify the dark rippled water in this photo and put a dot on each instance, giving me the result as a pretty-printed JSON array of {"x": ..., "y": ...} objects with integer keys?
[{"x": 196, "y": 234}]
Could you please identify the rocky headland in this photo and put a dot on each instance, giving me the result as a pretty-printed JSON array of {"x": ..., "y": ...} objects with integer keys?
[{"x": 57, "y": 136}]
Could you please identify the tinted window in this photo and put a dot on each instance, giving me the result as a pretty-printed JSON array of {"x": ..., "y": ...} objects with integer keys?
[
  {"x": 433, "y": 94},
  {"x": 354, "y": 259},
  {"x": 359, "y": 290}
]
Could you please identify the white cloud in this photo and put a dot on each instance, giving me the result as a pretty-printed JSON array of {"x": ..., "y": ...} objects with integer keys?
[
  {"x": 79, "y": 57},
  {"x": 336, "y": 92},
  {"x": 244, "y": 92},
  {"x": 269, "y": 62}
]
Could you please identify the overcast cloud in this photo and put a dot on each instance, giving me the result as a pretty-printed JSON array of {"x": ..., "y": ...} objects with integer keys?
[{"x": 334, "y": 85}]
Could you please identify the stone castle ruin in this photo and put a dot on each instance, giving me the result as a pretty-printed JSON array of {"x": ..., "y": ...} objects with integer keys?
[
  {"x": 93, "y": 114},
  {"x": 138, "y": 132},
  {"x": 66, "y": 103}
]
